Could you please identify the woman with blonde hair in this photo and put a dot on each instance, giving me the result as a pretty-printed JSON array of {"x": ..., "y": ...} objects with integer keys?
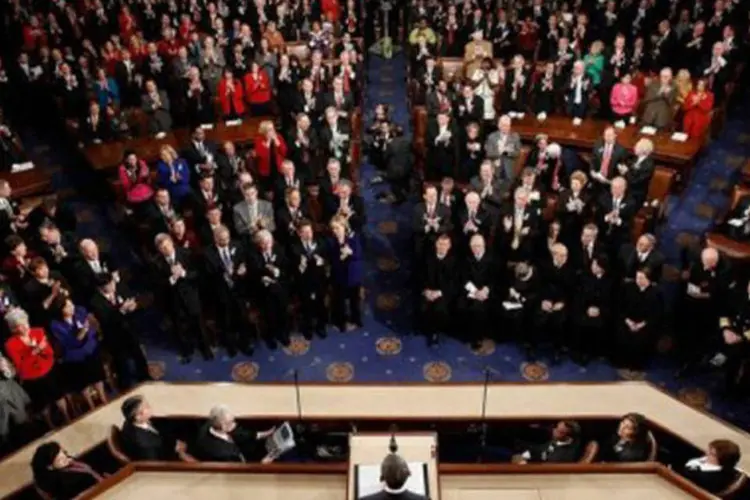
[
  {"x": 683, "y": 85},
  {"x": 173, "y": 174},
  {"x": 594, "y": 62},
  {"x": 270, "y": 152},
  {"x": 347, "y": 274}
]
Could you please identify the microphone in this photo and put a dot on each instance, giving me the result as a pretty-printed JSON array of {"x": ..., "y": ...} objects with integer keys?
[
  {"x": 392, "y": 444},
  {"x": 483, "y": 420},
  {"x": 294, "y": 373}
]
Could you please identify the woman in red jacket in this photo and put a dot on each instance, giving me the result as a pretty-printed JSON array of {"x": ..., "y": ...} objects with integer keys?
[
  {"x": 258, "y": 90},
  {"x": 34, "y": 360},
  {"x": 697, "y": 107},
  {"x": 135, "y": 179},
  {"x": 231, "y": 96},
  {"x": 270, "y": 151}
]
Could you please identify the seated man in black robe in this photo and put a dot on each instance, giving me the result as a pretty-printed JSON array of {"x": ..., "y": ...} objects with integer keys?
[
  {"x": 140, "y": 439},
  {"x": 222, "y": 440}
]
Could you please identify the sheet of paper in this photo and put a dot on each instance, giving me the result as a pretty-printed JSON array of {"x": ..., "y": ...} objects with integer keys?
[
  {"x": 679, "y": 137},
  {"x": 511, "y": 306},
  {"x": 368, "y": 479},
  {"x": 648, "y": 130},
  {"x": 281, "y": 440},
  {"x": 21, "y": 167}
]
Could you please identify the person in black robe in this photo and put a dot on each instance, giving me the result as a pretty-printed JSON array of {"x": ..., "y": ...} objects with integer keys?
[
  {"x": 178, "y": 277},
  {"x": 60, "y": 475},
  {"x": 308, "y": 256},
  {"x": 555, "y": 294},
  {"x": 476, "y": 293},
  {"x": 438, "y": 290},
  {"x": 222, "y": 440},
  {"x": 520, "y": 304},
  {"x": 139, "y": 438},
  {"x": 592, "y": 311},
  {"x": 734, "y": 325},
  {"x": 640, "y": 310},
  {"x": 642, "y": 254},
  {"x": 715, "y": 471}
]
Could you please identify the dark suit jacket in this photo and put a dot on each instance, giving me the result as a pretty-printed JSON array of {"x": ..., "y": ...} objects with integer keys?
[
  {"x": 195, "y": 157},
  {"x": 628, "y": 210},
  {"x": 712, "y": 481},
  {"x": 210, "y": 448},
  {"x": 141, "y": 444},
  {"x": 383, "y": 495},
  {"x": 640, "y": 178},
  {"x": 619, "y": 155},
  {"x": 182, "y": 296},
  {"x": 85, "y": 275},
  {"x": 313, "y": 278},
  {"x": 629, "y": 264},
  {"x": 357, "y": 205}
]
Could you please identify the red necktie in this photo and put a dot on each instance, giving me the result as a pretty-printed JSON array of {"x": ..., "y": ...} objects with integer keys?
[
  {"x": 604, "y": 170},
  {"x": 556, "y": 177},
  {"x": 346, "y": 80}
]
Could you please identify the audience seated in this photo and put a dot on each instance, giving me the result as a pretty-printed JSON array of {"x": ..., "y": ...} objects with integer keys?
[
  {"x": 222, "y": 440},
  {"x": 140, "y": 439},
  {"x": 564, "y": 447},
  {"x": 631, "y": 443},
  {"x": 716, "y": 471},
  {"x": 59, "y": 475}
]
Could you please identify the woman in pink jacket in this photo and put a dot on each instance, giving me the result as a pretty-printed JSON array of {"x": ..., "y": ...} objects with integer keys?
[
  {"x": 135, "y": 179},
  {"x": 624, "y": 99}
]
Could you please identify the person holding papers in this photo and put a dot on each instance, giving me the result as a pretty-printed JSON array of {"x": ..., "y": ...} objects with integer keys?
[
  {"x": 715, "y": 471},
  {"x": 222, "y": 440},
  {"x": 140, "y": 439},
  {"x": 394, "y": 473}
]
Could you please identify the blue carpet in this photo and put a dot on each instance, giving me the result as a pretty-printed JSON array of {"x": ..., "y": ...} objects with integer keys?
[{"x": 384, "y": 350}]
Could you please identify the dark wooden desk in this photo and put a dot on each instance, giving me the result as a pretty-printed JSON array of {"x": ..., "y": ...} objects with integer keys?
[
  {"x": 108, "y": 155},
  {"x": 560, "y": 129},
  {"x": 34, "y": 182}
]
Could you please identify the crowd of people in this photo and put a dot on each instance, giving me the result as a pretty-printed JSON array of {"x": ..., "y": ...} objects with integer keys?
[{"x": 246, "y": 237}]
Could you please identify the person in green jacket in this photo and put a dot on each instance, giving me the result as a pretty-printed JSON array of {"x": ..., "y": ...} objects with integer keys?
[{"x": 594, "y": 62}]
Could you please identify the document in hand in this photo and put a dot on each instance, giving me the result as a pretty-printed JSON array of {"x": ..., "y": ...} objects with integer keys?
[
  {"x": 367, "y": 479},
  {"x": 282, "y": 440}
]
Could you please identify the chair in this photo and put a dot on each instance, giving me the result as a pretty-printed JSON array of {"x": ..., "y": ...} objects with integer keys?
[
  {"x": 654, "y": 448},
  {"x": 732, "y": 249},
  {"x": 738, "y": 485},
  {"x": 589, "y": 453},
  {"x": 113, "y": 445},
  {"x": 650, "y": 214}
]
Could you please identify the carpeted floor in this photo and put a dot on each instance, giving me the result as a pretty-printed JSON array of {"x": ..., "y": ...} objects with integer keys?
[{"x": 384, "y": 350}]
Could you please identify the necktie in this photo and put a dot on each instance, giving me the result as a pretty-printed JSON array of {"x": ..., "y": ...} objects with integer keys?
[
  {"x": 226, "y": 258},
  {"x": 579, "y": 93},
  {"x": 604, "y": 170},
  {"x": 556, "y": 176}
]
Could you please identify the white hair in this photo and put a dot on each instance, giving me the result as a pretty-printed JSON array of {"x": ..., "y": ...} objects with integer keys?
[
  {"x": 554, "y": 150},
  {"x": 218, "y": 415},
  {"x": 15, "y": 318}
]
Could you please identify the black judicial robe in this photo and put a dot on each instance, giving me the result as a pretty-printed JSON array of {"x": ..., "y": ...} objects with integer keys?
[
  {"x": 593, "y": 291},
  {"x": 440, "y": 274}
]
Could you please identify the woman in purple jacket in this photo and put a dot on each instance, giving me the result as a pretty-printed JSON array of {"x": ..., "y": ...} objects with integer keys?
[
  {"x": 347, "y": 274},
  {"x": 79, "y": 351}
]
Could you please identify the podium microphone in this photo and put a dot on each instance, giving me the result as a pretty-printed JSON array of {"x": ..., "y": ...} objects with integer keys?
[
  {"x": 483, "y": 421},
  {"x": 392, "y": 444}
]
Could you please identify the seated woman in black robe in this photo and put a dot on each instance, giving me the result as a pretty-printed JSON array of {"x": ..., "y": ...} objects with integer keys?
[
  {"x": 60, "y": 475},
  {"x": 520, "y": 303},
  {"x": 640, "y": 312},
  {"x": 631, "y": 444},
  {"x": 716, "y": 471},
  {"x": 592, "y": 311}
]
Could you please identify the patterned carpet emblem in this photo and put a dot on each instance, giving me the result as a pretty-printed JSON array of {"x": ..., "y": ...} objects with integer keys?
[
  {"x": 487, "y": 348},
  {"x": 340, "y": 372},
  {"x": 388, "y": 227},
  {"x": 388, "y": 264},
  {"x": 534, "y": 372},
  {"x": 705, "y": 210},
  {"x": 157, "y": 369},
  {"x": 388, "y": 301},
  {"x": 687, "y": 240},
  {"x": 627, "y": 374},
  {"x": 245, "y": 371},
  {"x": 437, "y": 371},
  {"x": 695, "y": 397},
  {"x": 388, "y": 346},
  {"x": 298, "y": 346}
]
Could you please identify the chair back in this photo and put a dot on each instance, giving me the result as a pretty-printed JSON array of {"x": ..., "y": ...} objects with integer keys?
[
  {"x": 589, "y": 453},
  {"x": 654, "y": 447},
  {"x": 113, "y": 444},
  {"x": 661, "y": 184},
  {"x": 737, "y": 485}
]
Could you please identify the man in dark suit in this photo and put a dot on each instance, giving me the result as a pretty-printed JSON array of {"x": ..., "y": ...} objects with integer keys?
[
  {"x": 469, "y": 107},
  {"x": 303, "y": 146},
  {"x": 335, "y": 135},
  {"x": 329, "y": 183},
  {"x": 342, "y": 102},
  {"x": 585, "y": 250},
  {"x": 347, "y": 205},
  {"x": 113, "y": 312},
  {"x": 226, "y": 267},
  {"x": 222, "y": 440},
  {"x": 442, "y": 140},
  {"x": 92, "y": 264},
  {"x": 665, "y": 48},
  {"x": 308, "y": 101},
  {"x": 178, "y": 279},
  {"x": 311, "y": 283},
  {"x": 290, "y": 178},
  {"x": 639, "y": 171},
  {"x": 270, "y": 274},
  {"x": 430, "y": 220},
  {"x": 200, "y": 154},
  {"x": 520, "y": 225},
  {"x": 642, "y": 254},
  {"x": 128, "y": 78},
  {"x": 160, "y": 213},
  {"x": 607, "y": 155},
  {"x": 564, "y": 447},
  {"x": 140, "y": 439},
  {"x": 206, "y": 196},
  {"x": 394, "y": 472},
  {"x": 615, "y": 215}
]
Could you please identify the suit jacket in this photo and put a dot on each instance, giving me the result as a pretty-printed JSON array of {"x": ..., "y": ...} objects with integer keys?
[
  {"x": 494, "y": 200},
  {"x": 445, "y": 152},
  {"x": 629, "y": 262},
  {"x": 329, "y": 147},
  {"x": 115, "y": 325},
  {"x": 619, "y": 155},
  {"x": 195, "y": 157},
  {"x": 85, "y": 275},
  {"x": 348, "y": 271},
  {"x": 419, "y": 220},
  {"x": 628, "y": 209},
  {"x": 466, "y": 115},
  {"x": 211, "y": 448},
  {"x": 713, "y": 481},
  {"x": 310, "y": 277},
  {"x": 347, "y": 102},
  {"x": 182, "y": 295},
  {"x": 384, "y": 495},
  {"x": 243, "y": 224},
  {"x": 639, "y": 178},
  {"x": 435, "y": 104},
  {"x": 260, "y": 269},
  {"x": 507, "y": 157},
  {"x": 659, "y": 108},
  {"x": 142, "y": 444},
  {"x": 357, "y": 219},
  {"x": 286, "y": 222},
  {"x": 224, "y": 280},
  {"x": 159, "y": 119}
]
